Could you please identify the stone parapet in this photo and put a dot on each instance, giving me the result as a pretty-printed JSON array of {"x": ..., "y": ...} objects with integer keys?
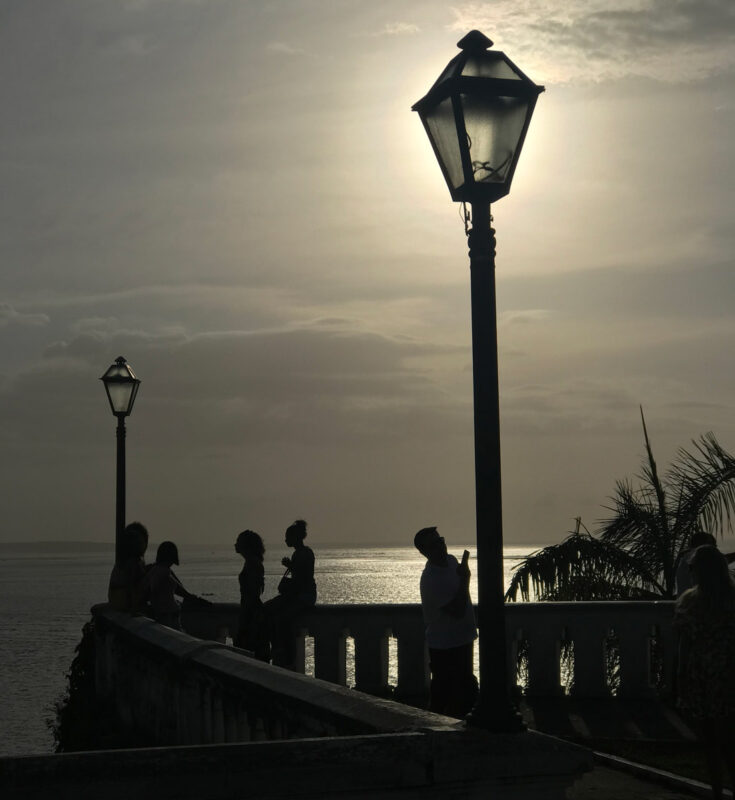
[{"x": 596, "y": 649}]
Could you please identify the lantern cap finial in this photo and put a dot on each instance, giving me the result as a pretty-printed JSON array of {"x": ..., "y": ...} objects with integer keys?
[{"x": 474, "y": 41}]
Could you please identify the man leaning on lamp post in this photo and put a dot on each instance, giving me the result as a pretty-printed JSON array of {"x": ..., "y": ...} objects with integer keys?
[{"x": 450, "y": 625}]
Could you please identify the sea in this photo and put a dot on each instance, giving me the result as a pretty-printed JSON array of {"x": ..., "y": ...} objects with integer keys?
[{"x": 47, "y": 590}]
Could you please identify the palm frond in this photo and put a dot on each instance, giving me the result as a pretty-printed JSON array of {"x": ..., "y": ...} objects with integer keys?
[
  {"x": 635, "y": 527},
  {"x": 581, "y": 567},
  {"x": 663, "y": 541},
  {"x": 706, "y": 477}
]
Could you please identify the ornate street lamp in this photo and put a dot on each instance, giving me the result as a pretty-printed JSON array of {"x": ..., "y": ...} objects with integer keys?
[
  {"x": 476, "y": 116},
  {"x": 121, "y": 385}
]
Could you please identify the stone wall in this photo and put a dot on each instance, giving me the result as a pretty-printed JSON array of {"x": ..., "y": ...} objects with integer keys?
[{"x": 238, "y": 728}]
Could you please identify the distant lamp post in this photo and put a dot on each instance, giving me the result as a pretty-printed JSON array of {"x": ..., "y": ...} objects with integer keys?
[
  {"x": 476, "y": 116},
  {"x": 121, "y": 385}
]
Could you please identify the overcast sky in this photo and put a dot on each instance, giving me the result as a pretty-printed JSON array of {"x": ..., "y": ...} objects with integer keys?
[{"x": 237, "y": 197}]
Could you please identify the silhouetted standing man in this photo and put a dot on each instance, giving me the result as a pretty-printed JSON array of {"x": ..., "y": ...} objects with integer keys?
[{"x": 450, "y": 625}]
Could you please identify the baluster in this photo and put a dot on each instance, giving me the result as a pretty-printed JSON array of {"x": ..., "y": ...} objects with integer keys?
[
  {"x": 218, "y": 716},
  {"x": 244, "y": 731},
  {"x": 413, "y": 662},
  {"x": 635, "y": 662},
  {"x": 299, "y": 661},
  {"x": 330, "y": 662},
  {"x": 669, "y": 643},
  {"x": 544, "y": 674},
  {"x": 589, "y": 661},
  {"x": 206, "y": 696},
  {"x": 371, "y": 661}
]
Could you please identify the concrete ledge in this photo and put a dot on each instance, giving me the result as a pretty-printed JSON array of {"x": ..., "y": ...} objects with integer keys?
[
  {"x": 436, "y": 764},
  {"x": 658, "y": 776}
]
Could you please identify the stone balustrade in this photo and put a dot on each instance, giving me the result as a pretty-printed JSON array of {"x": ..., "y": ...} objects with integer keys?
[
  {"x": 223, "y": 724},
  {"x": 590, "y": 649}
]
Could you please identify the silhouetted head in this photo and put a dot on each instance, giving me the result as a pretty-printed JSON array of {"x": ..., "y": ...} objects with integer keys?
[
  {"x": 249, "y": 543},
  {"x": 430, "y": 544},
  {"x": 136, "y": 532},
  {"x": 700, "y": 538},
  {"x": 710, "y": 568},
  {"x": 167, "y": 553},
  {"x": 296, "y": 533}
]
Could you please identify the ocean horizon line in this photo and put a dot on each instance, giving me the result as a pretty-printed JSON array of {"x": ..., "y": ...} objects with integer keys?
[{"x": 99, "y": 546}]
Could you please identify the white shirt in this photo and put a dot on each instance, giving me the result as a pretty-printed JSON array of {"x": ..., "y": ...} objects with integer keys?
[{"x": 438, "y": 586}]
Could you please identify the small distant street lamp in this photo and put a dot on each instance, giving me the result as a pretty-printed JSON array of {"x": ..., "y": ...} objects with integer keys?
[
  {"x": 121, "y": 386},
  {"x": 476, "y": 116}
]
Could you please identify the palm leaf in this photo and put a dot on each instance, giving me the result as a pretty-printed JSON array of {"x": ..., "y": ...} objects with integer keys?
[
  {"x": 635, "y": 528},
  {"x": 706, "y": 478},
  {"x": 581, "y": 567}
]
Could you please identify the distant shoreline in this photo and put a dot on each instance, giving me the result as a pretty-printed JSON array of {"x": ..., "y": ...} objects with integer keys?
[
  {"x": 57, "y": 545},
  {"x": 108, "y": 546}
]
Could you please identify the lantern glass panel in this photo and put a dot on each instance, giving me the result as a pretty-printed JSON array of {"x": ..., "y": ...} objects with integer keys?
[
  {"x": 122, "y": 395},
  {"x": 480, "y": 66},
  {"x": 494, "y": 126},
  {"x": 443, "y": 131}
]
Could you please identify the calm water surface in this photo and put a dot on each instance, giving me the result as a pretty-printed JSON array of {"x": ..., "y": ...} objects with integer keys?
[{"x": 46, "y": 599}]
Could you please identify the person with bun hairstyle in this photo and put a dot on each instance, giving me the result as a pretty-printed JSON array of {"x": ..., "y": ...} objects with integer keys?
[
  {"x": 296, "y": 593},
  {"x": 252, "y": 632},
  {"x": 704, "y": 617}
]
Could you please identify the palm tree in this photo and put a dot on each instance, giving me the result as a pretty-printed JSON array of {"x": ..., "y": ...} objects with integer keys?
[{"x": 636, "y": 551}]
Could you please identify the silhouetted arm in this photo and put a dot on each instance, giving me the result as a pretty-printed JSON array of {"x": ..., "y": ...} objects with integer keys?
[
  {"x": 458, "y": 604},
  {"x": 179, "y": 587}
]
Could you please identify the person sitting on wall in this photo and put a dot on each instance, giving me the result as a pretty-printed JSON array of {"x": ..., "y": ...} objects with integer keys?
[
  {"x": 296, "y": 593},
  {"x": 163, "y": 585},
  {"x": 252, "y": 633},
  {"x": 450, "y": 626},
  {"x": 127, "y": 589}
]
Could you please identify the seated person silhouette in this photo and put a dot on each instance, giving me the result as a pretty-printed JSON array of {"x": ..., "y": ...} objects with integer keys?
[
  {"x": 296, "y": 594},
  {"x": 163, "y": 585},
  {"x": 127, "y": 589}
]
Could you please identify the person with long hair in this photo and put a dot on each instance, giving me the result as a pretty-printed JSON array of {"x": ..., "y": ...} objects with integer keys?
[
  {"x": 296, "y": 593},
  {"x": 252, "y": 632},
  {"x": 164, "y": 584},
  {"x": 705, "y": 621}
]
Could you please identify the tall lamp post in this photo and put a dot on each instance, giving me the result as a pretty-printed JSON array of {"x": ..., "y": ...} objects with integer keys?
[
  {"x": 476, "y": 116},
  {"x": 121, "y": 385}
]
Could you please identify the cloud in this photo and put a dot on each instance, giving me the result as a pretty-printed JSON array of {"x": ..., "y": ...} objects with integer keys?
[
  {"x": 306, "y": 384},
  {"x": 677, "y": 41},
  {"x": 9, "y": 316},
  {"x": 285, "y": 49},
  {"x": 398, "y": 29},
  {"x": 524, "y": 317}
]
